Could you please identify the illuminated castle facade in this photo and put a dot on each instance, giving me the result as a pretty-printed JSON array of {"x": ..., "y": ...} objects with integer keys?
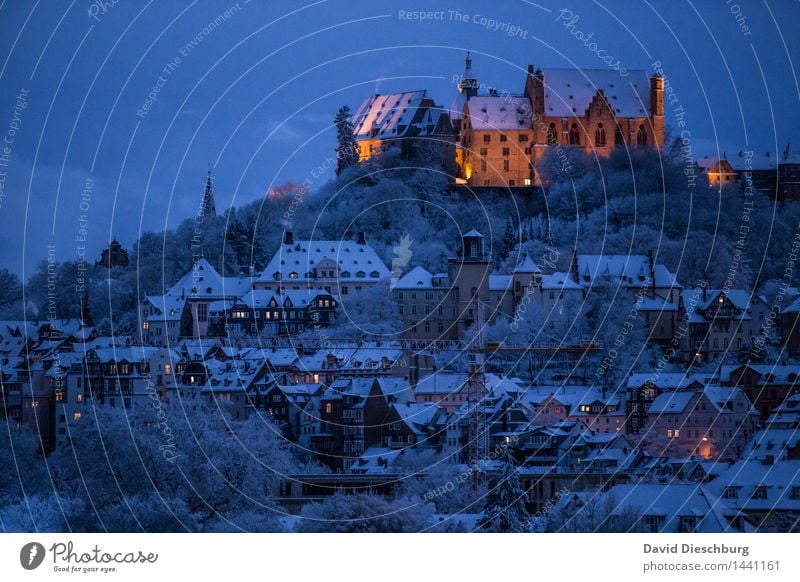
[{"x": 500, "y": 138}]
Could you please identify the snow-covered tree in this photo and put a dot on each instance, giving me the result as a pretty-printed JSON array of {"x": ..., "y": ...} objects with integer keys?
[
  {"x": 365, "y": 513},
  {"x": 505, "y": 504},
  {"x": 346, "y": 146}
]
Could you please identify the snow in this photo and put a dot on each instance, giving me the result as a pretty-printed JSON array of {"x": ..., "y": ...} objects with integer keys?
[
  {"x": 670, "y": 403},
  {"x": 527, "y": 266},
  {"x": 414, "y": 279},
  {"x": 570, "y": 91},
  {"x": 499, "y": 113},
  {"x": 391, "y": 116},
  {"x": 499, "y": 282},
  {"x": 440, "y": 383},
  {"x": 293, "y": 262}
]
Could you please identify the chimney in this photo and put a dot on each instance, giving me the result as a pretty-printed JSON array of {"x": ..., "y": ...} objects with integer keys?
[
  {"x": 288, "y": 237},
  {"x": 361, "y": 238}
]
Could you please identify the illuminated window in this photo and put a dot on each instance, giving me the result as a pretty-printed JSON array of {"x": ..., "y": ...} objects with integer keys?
[
  {"x": 328, "y": 408},
  {"x": 146, "y": 325},
  {"x": 669, "y": 433},
  {"x": 77, "y": 416},
  {"x": 168, "y": 369}
]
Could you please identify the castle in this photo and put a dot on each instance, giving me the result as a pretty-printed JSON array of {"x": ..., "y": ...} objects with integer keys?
[{"x": 500, "y": 138}]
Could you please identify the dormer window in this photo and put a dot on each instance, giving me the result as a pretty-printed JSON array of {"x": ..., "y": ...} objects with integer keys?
[
  {"x": 276, "y": 275},
  {"x": 361, "y": 274},
  {"x": 374, "y": 274},
  {"x": 293, "y": 275}
]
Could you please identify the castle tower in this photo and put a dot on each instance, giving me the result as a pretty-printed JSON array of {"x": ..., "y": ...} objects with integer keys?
[
  {"x": 657, "y": 108},
  {"x": 468, "y": 84}
]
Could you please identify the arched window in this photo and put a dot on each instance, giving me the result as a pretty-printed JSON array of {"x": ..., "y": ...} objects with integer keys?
[
  {"x": 600, "y": 135},
  {"x": 552, "y": 136},
  {"x": 574, "y": 135},
  {"x": 618, "y": 139},
  {"x": 641, "y": 136}
]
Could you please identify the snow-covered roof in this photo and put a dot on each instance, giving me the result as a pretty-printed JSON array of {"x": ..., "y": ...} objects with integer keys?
[
  {"x": 499, "y": 113},
  {"x": 778, "y": 374},
  {"x": 778, "y": 480},
  {"x": 416, "y": 278},
  {"x": 793, "y": 307},
  {"x": 671, "y": 403},
  {"x": 129, "y": 354},
  {"x": 666, "y": 380},
  {"x": 169, "y": 306},
  {"x": 260, "y": 298},
  {"x": 527, "y": 266},
  {"x": 294, "y": 262},
  {"x": 202, "y": 281},
  {"x": 772, "y": 442},
  {"x": 499, "y": 282},
  {"x": 417, "y": 416},
  {"x": 568, "y": 92},
  {"x": 558, "y": 281},
  {"x": 397, "y": 115},
  {"x": 670, "y": 502},
  {"x": 440, "y": 383},
  {"x": 723, "y": 397},
  {"x": 627, "y": 269}
]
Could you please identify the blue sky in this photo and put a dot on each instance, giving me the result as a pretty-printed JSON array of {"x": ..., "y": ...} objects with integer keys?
[{"x": 252, "y": 91}]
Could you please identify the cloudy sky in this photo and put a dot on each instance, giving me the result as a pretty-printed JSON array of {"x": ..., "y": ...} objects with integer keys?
[{"x": 114, "y": 112}]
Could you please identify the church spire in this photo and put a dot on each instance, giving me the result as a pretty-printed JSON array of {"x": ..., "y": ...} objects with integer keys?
[{"x": 209, "y": 208}]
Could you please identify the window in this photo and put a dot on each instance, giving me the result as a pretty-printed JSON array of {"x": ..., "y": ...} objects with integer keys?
[
  {"x": 574, "y": 135},
  {"x": 669, "y": 433},
  {"x": 651, "y": 522},
  {"x": 79, "y": 398},
  {"x": 760, "y": 492},
  {"x": 600, "y": 135},
  {"x": 503, "y": 137},
  {"x": 328, "y": 408},
  {"x": 487, "y": 138},
  {"x": 731, "y": 493},
  {"x": 641, "y": 136},
  {"x": 484, "y": 152},
  {"x": 618, "y": 139},
  {"x": 795, "y": 494},
  {"x": 506, "y": 152},
  {"x": 77, "y": 416},
  {"x": 523, "y": 137},
  {"x": 552, "y": 136},
  {"x": 688, "y": 523},
  {"x": 202, "y": 312},
  {"x": 505, "y": 166}
]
